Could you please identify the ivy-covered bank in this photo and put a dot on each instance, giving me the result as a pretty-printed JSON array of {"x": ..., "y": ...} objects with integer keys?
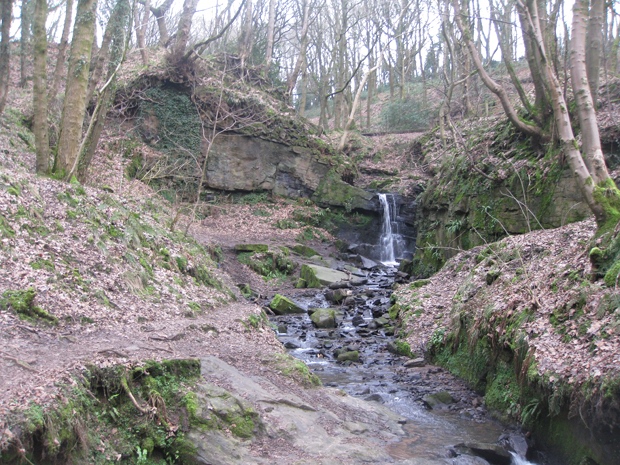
[
  {"x": 489, "y": 182},
  {"x": 524, "y": 323}
]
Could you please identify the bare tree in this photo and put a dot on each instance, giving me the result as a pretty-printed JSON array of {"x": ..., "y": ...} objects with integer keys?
[
  {"x": 24, "y": 43},
  {"x": 62, "y": 48},
  {"x": 6, "y": 15},
  {"x": 39, "y": 94}
]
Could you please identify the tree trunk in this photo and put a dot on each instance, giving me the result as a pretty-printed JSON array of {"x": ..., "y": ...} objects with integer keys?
[
  {"x": 270, "y": 31},
  {"x": 594, "y": 41},
  {"x": 24, "y": 44},
  {"x": 184, "y": 28},
  {"x": 141, "y": 24},
  {"x": 39, "y": 93},
  {"x": 301, "y": 58},
  {"x": 493, "y": 86},
  {"x": 160, "y": 17},
  {"x": 119, "y": 24},
  {"x": 591, "y": 142},
  {"x": 62, "y": 48},
  {"x": 74, "y": 107},
  {"x": 6, "y": 14}
]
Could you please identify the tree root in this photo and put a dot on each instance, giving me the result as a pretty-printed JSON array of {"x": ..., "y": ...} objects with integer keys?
[{"x": 125, "y": 386}]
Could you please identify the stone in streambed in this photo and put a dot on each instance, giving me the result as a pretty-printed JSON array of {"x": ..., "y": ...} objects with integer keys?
[
  {"x": 337, "y": 295},
  {"x": 317, "y": 276},
  {"x": 416, "y": 362},
  {"x": 351, "y": 356},
  {"x": 324, "y": 318},
  {"x": 438, "y": 400},
  {"x": 283, "y": 306},
  {"x": 358, "y": 320},
  {"x": 490, "y": 452}
]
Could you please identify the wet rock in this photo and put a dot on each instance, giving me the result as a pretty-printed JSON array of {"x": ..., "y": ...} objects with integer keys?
[
  {"x": 468, "y": 460},
  {"x": 349, "y": 301},
  {"x": 374, "y": 398},
  {"x": 416, "y": 362},
  {"x": 438, "y": 400},
  {"x": 282, "y": 328},
  {"x": 515, "y": 442},
  {"x": 324, "y": 318},
  {"x": 283, "y": 306},
  {"x": 337, "y": 295},
  {"x": 358, "y": 320},
  {"x": 367, "y": 263},
  {"x": 291, "y": 345},
  {"x": 492, "y": 453}
]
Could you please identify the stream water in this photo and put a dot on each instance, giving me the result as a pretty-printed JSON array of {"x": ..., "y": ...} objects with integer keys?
[{"x": 381, "y": 375}]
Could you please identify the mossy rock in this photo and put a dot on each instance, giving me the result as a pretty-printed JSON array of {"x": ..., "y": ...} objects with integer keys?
[
  {"x": 350, "y": 356},
  {"x": 333, "y": 191},
  {"x": 304, "y": 250},
  {"x": 251, "y": 248},
  {"x": 324, "y": 318},
  {"x": 438, "y": 400},
  {"x": 283, "y": 306},
  {"x": 308, "y": 277}
]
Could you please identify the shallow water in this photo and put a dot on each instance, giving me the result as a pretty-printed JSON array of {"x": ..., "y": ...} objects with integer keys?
[{"x": 381, "y": 376}]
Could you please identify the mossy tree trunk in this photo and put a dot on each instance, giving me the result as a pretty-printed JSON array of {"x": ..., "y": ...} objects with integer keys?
[
  {"x": 6, "y": 14},
  {"x": 24, "y": 42},
  {"x": 62, "y": 48},
  {"x": 118, "y": 28},
  {"x": 39, "y": 94},
  {"x": 75, "y": 102}
]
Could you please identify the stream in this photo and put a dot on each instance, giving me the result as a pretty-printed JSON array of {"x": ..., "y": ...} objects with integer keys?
[
  {"x": 357, "y": 352},
  {"x": 359, "y": 355}
]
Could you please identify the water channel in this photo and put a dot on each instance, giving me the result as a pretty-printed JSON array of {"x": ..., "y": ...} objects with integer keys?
[{"x": 359, "y": 354}]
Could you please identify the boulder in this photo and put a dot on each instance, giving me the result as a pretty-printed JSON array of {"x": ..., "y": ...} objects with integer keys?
[
  {"x": 317, "y": 276},
  {"x": 283, "y": 306},
  {"x": 351, "y": 356},
  {"x": 304, "y": 250},
  {"x": 438, "y": 400},
  {"x": 324, "y": 318},
  {"x": 338, "y": 295},
  {"x": 492, "y": 453}
]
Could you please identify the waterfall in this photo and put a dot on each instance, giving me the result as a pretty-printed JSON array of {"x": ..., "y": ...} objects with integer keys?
[
  {"x": 390, "y": 238},
  {"x": 516, "y": 460}
]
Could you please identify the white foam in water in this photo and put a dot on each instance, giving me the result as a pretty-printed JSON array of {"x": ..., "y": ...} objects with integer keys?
[{"x": 516, "y": 460}]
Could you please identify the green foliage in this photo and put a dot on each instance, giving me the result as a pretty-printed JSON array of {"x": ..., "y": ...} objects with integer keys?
[{"x": 269, "y": 264}]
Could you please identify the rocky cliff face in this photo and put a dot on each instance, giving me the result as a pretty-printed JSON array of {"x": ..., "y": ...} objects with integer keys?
[
  {"x": 495, "y": 186},
  {"x": 238, "y": 162}
]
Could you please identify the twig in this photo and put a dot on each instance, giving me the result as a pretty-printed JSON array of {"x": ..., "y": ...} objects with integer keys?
[{"x": 21, "y": 363}]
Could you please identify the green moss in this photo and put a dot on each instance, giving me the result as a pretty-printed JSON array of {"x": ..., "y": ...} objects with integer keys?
[
  {"x": 5, "y": 227},
  {"x": 309, "y": 277},
  {"x": 295, "y": 369},
  {"x": 419, "y": 283},
  {"x": 22, "y": 303},
  {"x": 607, "y": 196},
  {"x": 611, "y": 277}
]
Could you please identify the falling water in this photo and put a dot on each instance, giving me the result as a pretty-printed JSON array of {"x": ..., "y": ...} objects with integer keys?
[
  {"x": 516, "y": 460},
  {"x": 389, "y": 230}
]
